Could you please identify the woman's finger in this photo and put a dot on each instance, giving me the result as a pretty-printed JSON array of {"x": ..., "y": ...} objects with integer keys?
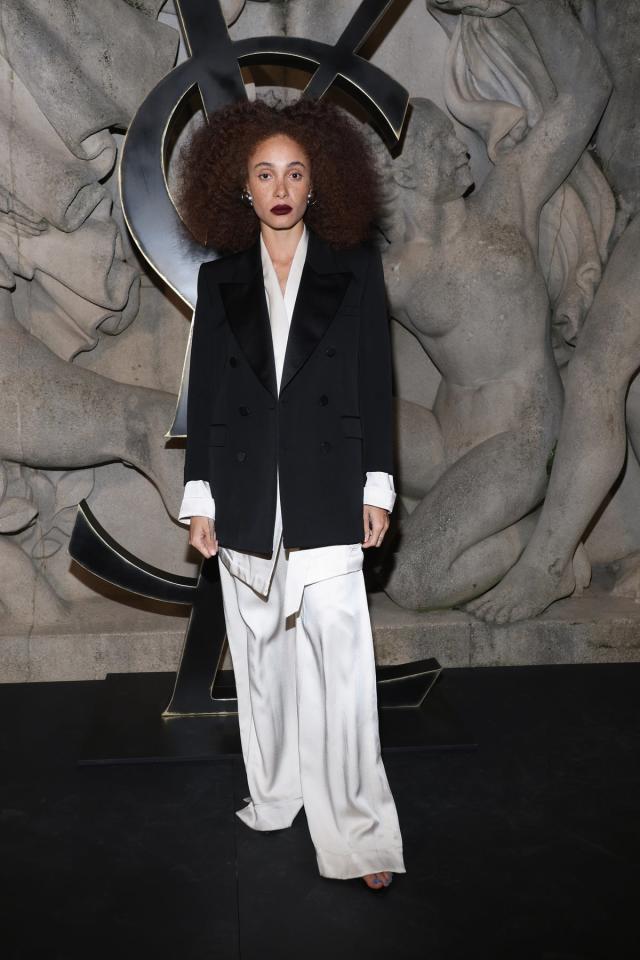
[{"x": 366, "y": 517}]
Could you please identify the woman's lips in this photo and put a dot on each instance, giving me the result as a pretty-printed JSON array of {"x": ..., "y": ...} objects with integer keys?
[{"x": 281, "y": 208}]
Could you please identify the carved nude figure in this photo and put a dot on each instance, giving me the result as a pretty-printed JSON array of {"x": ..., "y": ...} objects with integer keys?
[
  {"x": 591, "y": 447},
  {"x": 463, "y": 276}
]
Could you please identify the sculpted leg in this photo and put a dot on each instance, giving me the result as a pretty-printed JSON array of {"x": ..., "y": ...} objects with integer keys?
[
  {"x": 420, "y": 448},
  {"x": 591, "y": 446},
  {"x": 633, "y": 412},
  {"x": 472, "y": 526}
]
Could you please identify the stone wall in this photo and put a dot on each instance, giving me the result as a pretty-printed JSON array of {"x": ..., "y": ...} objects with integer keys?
[{"x": 512, "y": 282}]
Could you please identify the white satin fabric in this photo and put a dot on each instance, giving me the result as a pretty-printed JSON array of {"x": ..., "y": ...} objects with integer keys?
[
  {"x": 300, "y": 640},
  {"x": 308, "y": 714}
]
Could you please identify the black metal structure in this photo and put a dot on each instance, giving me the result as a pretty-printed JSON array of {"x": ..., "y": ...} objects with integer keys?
[
  {"x": 198, "y": 690},
  {"x": 131, "y": 728}
]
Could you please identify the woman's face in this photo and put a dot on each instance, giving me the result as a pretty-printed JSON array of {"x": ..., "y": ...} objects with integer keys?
[{"x": 279, "y": 179}]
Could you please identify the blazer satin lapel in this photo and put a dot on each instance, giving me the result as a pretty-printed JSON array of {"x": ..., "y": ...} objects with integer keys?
[
  {"x": 323, "y": 284},
  {"x": 245, "y": 303}
]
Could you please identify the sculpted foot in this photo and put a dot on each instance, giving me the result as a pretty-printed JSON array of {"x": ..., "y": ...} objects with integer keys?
[
  {"x": 524, "y": 592},
  {"x": 581, "y": 570}
]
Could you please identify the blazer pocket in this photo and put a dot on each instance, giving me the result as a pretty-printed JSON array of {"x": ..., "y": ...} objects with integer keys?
[
  {"x": 217, "y": 434},
  {"x": 351, "y": 426}
]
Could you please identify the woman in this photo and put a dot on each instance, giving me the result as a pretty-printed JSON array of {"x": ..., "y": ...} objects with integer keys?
[{"x": 289, "y": 406}]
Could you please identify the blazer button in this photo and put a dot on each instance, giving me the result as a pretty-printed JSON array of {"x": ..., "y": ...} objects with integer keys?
[
  {"x": 284, "y": 400},
  {"x": 325, "y": 446},
  {"x": 233, "y": 361},
  {"x": 240, "y": 455},
  {"x": 243, "y": 410},
  {"x": 330, "y": 351},
  {"x": 324, "y": 400}
]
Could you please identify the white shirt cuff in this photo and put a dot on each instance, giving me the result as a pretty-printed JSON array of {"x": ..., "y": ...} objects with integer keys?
[
  {"x": 379, "y": 490},
  {"x": 197, "y": 501}
]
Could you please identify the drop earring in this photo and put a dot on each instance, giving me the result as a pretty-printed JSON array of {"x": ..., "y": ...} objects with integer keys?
[
  {"x": 310, "y": 199},
  {"x": 246, "y": 198}
]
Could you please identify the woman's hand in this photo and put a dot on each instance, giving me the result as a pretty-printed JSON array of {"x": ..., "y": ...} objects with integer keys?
[
  {"x": 376, "y": 524},
  {"x": 202, "y": 536}
]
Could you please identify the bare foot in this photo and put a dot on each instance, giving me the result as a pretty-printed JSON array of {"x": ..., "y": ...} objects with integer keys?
[
  {"x": 376, "y": 881},
  {"x": 528, "y": 589}
]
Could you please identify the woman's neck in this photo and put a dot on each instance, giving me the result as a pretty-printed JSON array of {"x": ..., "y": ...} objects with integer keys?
[{"x": 281, "y": 244}]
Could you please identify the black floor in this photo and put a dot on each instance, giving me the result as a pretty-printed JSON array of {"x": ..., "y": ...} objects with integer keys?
[{"x": 527, "y": 848}]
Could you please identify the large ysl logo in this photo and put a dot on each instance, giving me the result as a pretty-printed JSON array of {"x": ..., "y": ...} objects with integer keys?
[{"x": 214, "y": 70}]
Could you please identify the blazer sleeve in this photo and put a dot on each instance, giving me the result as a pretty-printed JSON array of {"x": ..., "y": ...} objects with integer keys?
[
  {"x": 375, "y": 372},
  {"x": 205, "y": 371}
]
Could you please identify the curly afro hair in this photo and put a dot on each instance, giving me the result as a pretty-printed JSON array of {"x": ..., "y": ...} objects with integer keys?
[{"x": 212, "y": 171}]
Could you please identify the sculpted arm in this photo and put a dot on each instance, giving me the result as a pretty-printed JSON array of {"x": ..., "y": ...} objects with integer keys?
[
  {"x": 533, "y": 170},
  {"x": 551, "y": 149}
]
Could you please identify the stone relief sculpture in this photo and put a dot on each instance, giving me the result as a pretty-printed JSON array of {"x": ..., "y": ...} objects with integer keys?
[
  {"x": 595, "y": 447},
  {"x": 465, "y": 276},
  {"x": 496, "y": 83},
  {"x": 60, "y": 416},
  {"x": 592, "y": 445},
  {"x": 614, "y": 26},
  {"x": 513, "y": 289},
  {"x": 58, "y": 232},
  {"x": 489, "y": 59},
  {"x": 70, "y": 74}
]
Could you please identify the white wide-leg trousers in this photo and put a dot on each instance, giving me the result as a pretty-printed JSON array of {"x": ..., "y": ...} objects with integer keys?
[{"x": 308, "y": 714}]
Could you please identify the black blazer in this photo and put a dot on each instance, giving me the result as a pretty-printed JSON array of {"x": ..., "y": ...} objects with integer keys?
[{"x": 331, "y": 422}]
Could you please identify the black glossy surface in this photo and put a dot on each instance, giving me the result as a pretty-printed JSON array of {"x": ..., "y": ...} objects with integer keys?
[
  {"x": 95, "y": 549},
  {"x": 129, "y": 726},
  {"x": 527, "y": 848}
]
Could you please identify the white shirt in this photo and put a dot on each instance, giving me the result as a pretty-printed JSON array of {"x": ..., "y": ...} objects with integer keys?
[{"x": 310, "y": 564}]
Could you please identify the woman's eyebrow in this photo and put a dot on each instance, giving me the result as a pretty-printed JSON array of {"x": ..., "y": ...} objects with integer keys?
[{"x": 267, "y": 163}]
